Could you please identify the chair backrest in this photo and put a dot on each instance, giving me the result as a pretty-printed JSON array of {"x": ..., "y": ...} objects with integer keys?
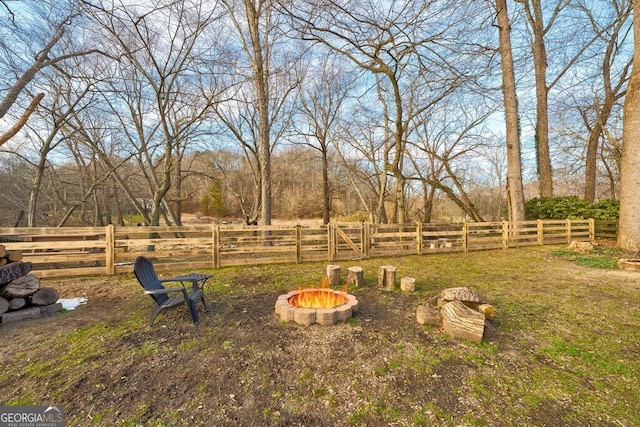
[{"x": 146, "y": 275}]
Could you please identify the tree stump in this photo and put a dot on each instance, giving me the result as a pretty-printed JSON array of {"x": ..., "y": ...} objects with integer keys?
[
  {"x": 387, "y": 277},
  {"x": 333, "y": 275},
  {"x": 459, "y": 321},
  {"x": 44, "y": 296},
  {"x": 408, "y": 284},
  {"x": 355, "y": 276}
]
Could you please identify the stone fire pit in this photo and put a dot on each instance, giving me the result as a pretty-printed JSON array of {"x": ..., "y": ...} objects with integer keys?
[{"x": 295, "y": 306}]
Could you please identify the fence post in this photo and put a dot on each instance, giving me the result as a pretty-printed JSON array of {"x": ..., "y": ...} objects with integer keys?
[
  {"x": 419, "y": 238},
  {"x": 540, "y": 227},
  {"x": 215, "y": 242},
  {"x": 331, "y": 242},
  {"x": 366, "y": 239},
  {"x": 298, "y": 244},
  {"x": 110, "y": 262},
  {"x": 465, "y": 237},
  {"x": 592, "y": 229},
  {"x": 505, "y": 234},
  {"x": 569, "y": 225}
]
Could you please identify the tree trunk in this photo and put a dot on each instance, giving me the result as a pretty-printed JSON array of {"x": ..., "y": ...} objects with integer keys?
[
  {"x": 545, "y": 174},
  {"x": 261, "y": 76},
  {"x": 326, "y": 201},
  {"x": 629, "y": 222},
  {"x": 515, "y": 190}
]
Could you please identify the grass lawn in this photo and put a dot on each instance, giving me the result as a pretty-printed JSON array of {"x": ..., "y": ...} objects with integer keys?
[{"x": 563, "y": 349}]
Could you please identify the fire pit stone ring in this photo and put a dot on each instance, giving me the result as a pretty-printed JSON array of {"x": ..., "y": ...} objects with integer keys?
[{"x": 323, "y": 316}]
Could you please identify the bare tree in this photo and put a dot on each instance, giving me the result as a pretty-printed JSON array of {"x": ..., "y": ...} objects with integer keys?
[
  {"x": 404, "y": 46},
  {"x": 613, "y": 85},
  {"x": 45, "y": 57},
  {"x": 156, "y": 97},
  {"x": 321, "y": 108},
  {"x": 272, "y": 78},
  {"x": 515, "y": 190}
]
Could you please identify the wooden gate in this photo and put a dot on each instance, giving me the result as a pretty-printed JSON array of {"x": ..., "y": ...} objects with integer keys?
[{"x": 338, "y": 236}]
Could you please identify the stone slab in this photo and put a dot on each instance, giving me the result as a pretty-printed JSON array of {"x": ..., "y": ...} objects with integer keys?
[{"x": 16, "y": 316}]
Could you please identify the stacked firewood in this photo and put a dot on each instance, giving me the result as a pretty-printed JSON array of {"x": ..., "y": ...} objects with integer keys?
[
  {"x": 7, "y": 257},
  {"x": 21, "y": 296}
]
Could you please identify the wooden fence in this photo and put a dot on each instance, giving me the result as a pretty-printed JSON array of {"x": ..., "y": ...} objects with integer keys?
[{"x": 72, "y": 251}]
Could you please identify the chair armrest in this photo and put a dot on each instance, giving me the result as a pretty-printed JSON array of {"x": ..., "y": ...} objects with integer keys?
[
  {"x": 197, "y": 280},
  {"x": 164, "y": 291}
]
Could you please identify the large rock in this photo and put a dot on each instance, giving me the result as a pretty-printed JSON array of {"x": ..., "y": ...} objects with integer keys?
[
  {"x": 17, "y": 303},
  {"x": 12, "y": 271},
  {"x": 21, "y": 287},
  {"x": 4, "y": 305},
  {"x": 44, "y": 296}
]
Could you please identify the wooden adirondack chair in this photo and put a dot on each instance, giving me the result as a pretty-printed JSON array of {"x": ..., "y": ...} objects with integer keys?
[{"x": 166, "y": 298}]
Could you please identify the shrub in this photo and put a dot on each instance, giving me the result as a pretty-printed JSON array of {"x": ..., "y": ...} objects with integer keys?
[
  {"x": 571, "y": 207},
  {"x": 606, "y": 210}
]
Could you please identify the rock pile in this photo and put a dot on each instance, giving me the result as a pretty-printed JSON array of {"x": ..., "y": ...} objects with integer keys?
[{"x": 21, "y": 296}]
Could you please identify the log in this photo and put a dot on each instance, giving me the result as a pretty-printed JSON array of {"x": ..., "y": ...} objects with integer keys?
[
  {"x": 4, "y": 305},
  {"x": 3, "y": 251},
  {"x": 486, "y": 309},
  {"x": 429, "y": 315},
  {"x": 355, "y": 276},
  {"x": 461, "y": 322},
  {"x": 333, "y": 275},
  {"x": 408, "y": 284},
  {"x": 44, "y": 296},
  {"x": 17, "y": 303},
  {"x": 387, "y": 277},
  {"x": 12, "y": 271},
  {"x": 21, "y": 287},
  {"x": 14, "y": 256},
  {"x": 461, "y": 294}
]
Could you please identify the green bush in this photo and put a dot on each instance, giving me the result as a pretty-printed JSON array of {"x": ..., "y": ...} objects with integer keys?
[
  {"x": 606, "y": 210},
  {"x": 570, "y": 207}
]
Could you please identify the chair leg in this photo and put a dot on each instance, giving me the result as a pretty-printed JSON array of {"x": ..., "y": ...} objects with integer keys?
[
  {"x": 154, "y": 314},
  {"x": 191, "y": 304},
  {"x": 204, "y": 303}
]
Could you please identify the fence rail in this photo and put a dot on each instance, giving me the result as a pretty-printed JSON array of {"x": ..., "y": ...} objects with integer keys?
[{"x": 72, "y": 251}]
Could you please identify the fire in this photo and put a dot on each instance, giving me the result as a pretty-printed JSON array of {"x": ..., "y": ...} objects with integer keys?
[{"x": 323, "y": 297}]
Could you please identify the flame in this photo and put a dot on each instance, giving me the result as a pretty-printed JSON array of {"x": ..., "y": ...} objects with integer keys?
[{"x": 322, "y": 297}]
